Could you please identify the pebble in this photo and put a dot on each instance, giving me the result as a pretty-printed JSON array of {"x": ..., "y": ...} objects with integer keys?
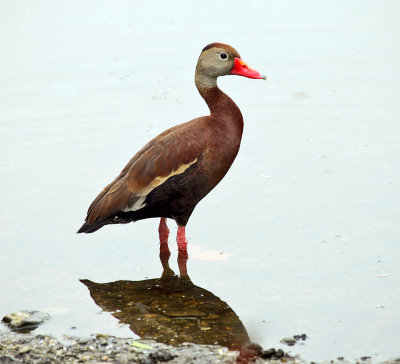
[
  {"x": 267, "y": 354},
  {"x": 6, "y": 360},
  {"x": 24, "y": 349},
  {"x": 252, "y": 352},
  {"x": 161, "y": 355},
  {"x": 289, "y": 340},
  {"x": 25, "y": 320}
]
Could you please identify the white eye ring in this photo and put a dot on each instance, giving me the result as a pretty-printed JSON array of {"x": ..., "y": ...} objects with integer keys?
[{"x": 223, "y": 56}]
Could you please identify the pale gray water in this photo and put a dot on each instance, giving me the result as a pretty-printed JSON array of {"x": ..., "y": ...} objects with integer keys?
[{"x": 307, "y": 218}]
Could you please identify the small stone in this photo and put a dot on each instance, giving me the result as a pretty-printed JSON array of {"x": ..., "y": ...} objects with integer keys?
[
  {"x": 300, "y": 337},
  {"x": 279, "y": 353},
  {"x": 7, "y": 360},
  {"x": 249, "y": 351},
  {"x": 25, "y": 320},
  {"x": 147, "y": 360},
  {"x": 267, "y": 354},
  {"x": 257, "y": 348},
  {"x": 99, "y": 336},
  {"x": 289, "y": 340},
  {"x": 25, "y": 349},
  {"x": 161, "y": 355},
  {"x": 14, "y": 319}
]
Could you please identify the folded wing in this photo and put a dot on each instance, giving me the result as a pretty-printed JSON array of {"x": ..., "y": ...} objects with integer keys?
[{"x": 169, "y": 154}]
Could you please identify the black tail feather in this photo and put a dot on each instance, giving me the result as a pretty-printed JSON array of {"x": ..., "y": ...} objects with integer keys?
[
  {"x": 119, "y": 218},
  {"x": 90, "y": 228}
]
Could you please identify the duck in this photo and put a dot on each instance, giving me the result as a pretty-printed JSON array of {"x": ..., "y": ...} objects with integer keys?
[{"x": 173, "y": 172}]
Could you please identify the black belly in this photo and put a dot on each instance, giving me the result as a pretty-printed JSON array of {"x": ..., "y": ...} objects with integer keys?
[{"x": 176, "y": 198}]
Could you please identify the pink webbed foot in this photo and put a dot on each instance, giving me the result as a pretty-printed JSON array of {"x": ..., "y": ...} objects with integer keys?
[
  {"x": 181, "y": 239},
  {"x": 163, "y": 231}
]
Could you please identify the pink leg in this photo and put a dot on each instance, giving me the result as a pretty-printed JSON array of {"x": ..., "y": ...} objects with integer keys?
[
  {"x": 163, "y": 231},
  {"x": 181, "y": 239},
  {"x": 182, "y": 259},
  {"x": 164, "y": 256}
]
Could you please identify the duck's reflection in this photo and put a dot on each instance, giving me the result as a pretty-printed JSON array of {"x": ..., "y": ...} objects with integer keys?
[{"x": 170, "y": 309}]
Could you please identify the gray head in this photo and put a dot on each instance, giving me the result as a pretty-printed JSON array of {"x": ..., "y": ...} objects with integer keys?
[{"x": 218, "y": 59}]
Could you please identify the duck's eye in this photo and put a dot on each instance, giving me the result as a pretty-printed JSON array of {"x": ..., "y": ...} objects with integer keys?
[{"x": 223, "y": 56}]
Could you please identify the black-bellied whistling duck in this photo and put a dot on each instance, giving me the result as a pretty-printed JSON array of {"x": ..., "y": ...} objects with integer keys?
[{"x": 175, "y": 170}]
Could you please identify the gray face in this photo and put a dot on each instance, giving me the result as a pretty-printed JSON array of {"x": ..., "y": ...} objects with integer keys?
[{"x": 215, "y": 62}]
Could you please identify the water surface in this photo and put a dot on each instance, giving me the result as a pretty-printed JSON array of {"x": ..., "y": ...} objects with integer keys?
[{"x": 302, "y": 236}]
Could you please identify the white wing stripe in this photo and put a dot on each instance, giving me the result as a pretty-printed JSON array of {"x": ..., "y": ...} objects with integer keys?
[{"x": 142, "y": 193}]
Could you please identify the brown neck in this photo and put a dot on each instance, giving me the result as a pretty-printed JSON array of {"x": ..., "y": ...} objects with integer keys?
[{"x": 220, "y": 104}]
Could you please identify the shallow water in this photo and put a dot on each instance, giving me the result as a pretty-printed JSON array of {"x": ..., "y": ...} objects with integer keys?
[{"x": 302, "y": 236}]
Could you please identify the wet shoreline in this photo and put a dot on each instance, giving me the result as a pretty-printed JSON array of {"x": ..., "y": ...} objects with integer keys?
[
  {"x": 29, "y": 348},
  {"x": 35, "y": 349}
]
